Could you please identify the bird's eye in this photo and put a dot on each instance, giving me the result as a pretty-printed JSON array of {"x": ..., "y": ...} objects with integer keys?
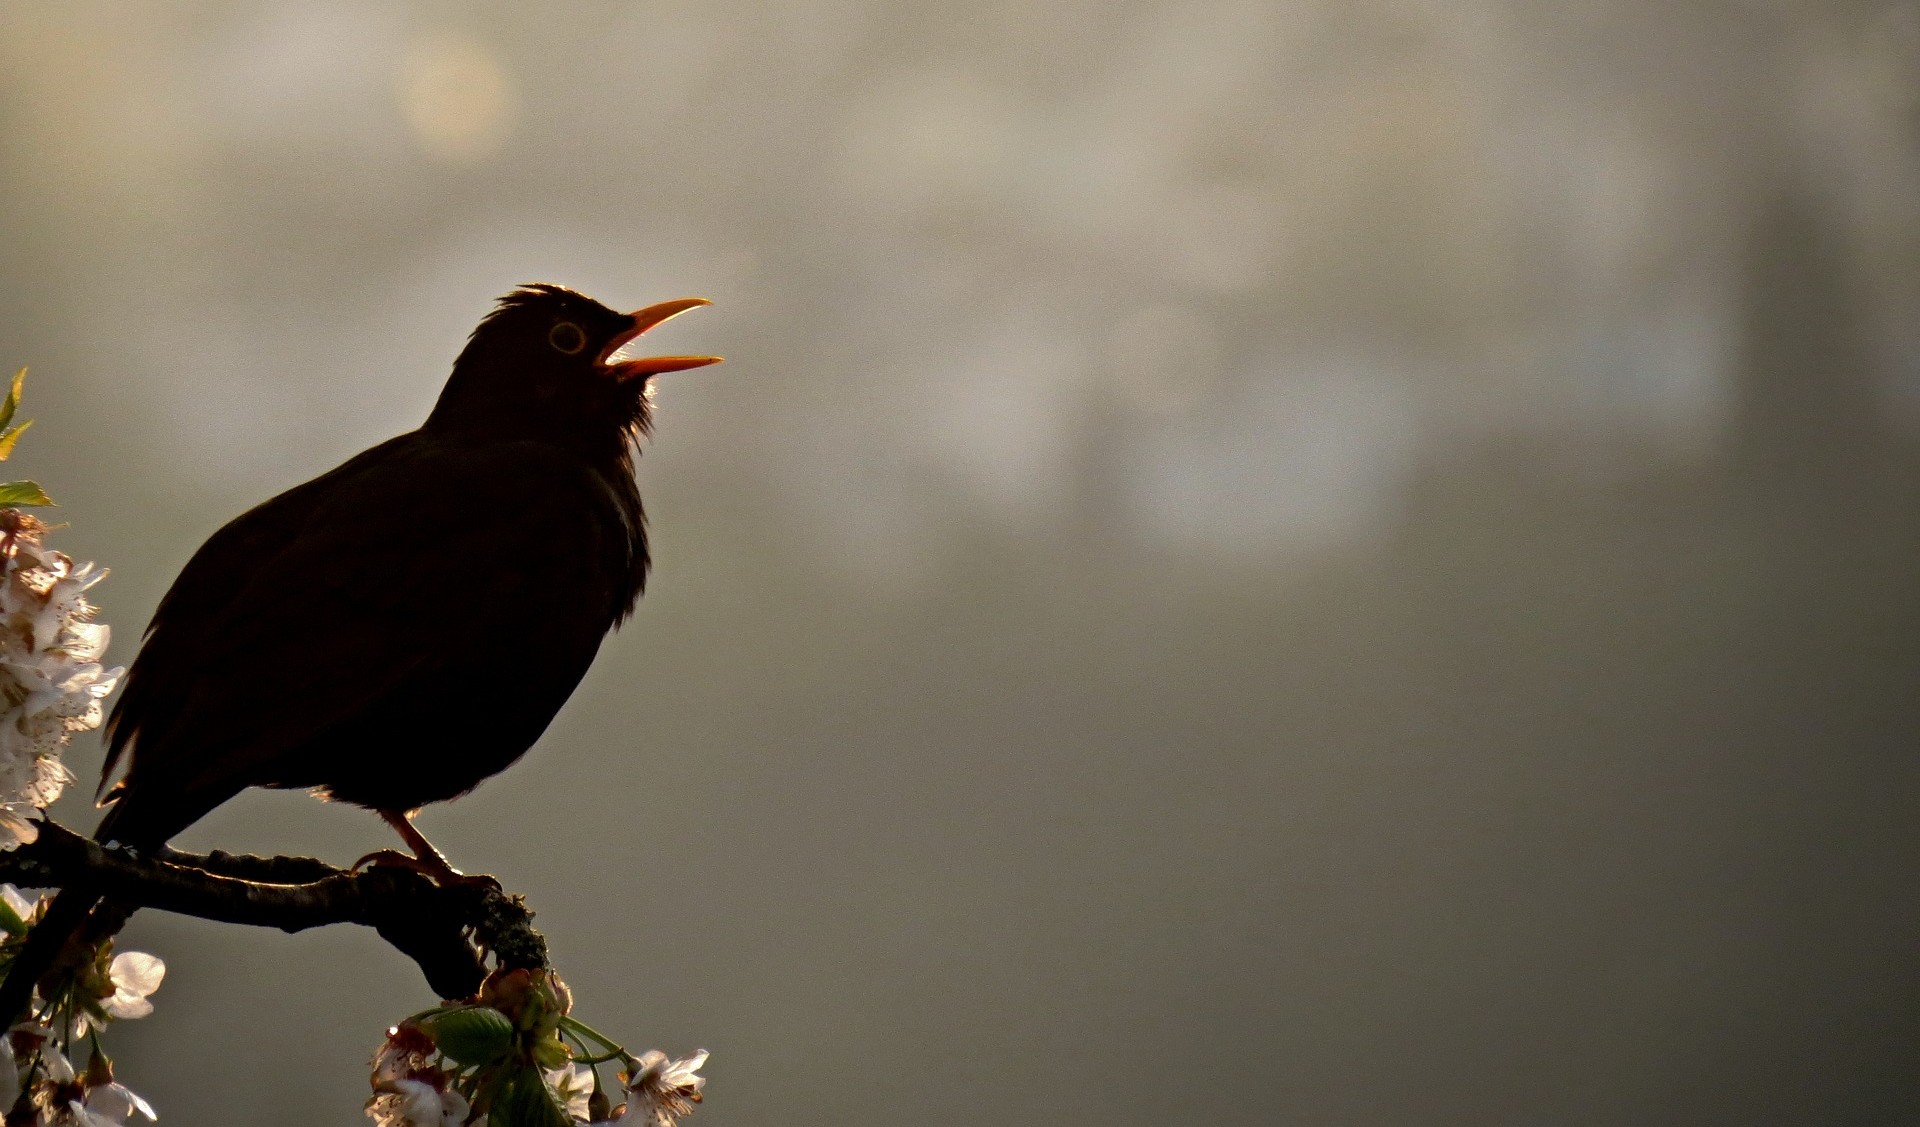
[{"x": 567, "y": 337}]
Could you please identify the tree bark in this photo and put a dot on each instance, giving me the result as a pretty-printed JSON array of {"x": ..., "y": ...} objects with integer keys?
[{"x": 447, "y": 931}]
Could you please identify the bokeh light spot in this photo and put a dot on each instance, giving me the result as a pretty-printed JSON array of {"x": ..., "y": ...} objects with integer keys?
[{"x": 457, "y": 98}]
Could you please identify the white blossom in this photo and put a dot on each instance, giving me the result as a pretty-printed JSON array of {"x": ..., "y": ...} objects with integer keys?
[
  {"x": 51, "y": 680},
  {"x": 416, "y": 1103},
  {"x": 61, "y": 1096},
  {"x": 573, "y": 1086},
  {"x": 397, "y": 1061},
  {"x": 58, "y": 1068},
  {"x": 135, "y": 976},
  {"x": 57, "y": 1094},
  {"x": 116, "y": 1103},
  {"x": 107, "y": 1105},
  {"x": 661, "y": 1090}
]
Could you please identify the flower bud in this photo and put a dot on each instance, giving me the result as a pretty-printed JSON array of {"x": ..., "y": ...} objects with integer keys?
[
  {"x": 551, "y": 1052},
  {"x": 507, "y": 990},
  {"x": 99, "y": 1070}
]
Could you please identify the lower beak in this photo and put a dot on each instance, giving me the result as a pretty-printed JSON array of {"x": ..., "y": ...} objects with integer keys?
[{"x": 641, "y": 368}]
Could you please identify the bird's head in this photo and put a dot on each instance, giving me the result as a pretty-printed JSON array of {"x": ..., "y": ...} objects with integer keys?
[{"x": 549, "y": 360}]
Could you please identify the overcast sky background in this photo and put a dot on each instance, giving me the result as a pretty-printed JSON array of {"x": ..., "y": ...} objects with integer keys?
[{"x": 1253, "y": 561}]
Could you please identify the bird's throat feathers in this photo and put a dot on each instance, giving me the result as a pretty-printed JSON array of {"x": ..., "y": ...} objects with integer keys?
[
  {"x": 493, "y": 391},
  {"x": 490, "y": 398}
]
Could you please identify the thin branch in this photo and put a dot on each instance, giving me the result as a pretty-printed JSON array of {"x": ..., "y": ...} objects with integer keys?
[
  {"x": 446, "y": 930},
  {"x": 248, "y": 866}
]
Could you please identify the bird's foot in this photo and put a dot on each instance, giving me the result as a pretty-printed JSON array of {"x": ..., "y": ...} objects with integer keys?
[
  {"x": 426, "y": 860},
  {"x": 433, "y": 868}
]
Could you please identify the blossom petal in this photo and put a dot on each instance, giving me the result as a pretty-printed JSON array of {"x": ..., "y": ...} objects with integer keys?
[
  {"x": 124, "y": 1007},
  {"x": 572, "y": 1085},
  {"x": 138, "y": 972},
  {"x": 86, "y": 641},
  {"x": 662, "y": 1090},
  {"x": 420, "y": 1103},
  {"x": 135, "y": 975},
  {"x": 15, "y": 830},
  {"x": 118, "y": 1102}
]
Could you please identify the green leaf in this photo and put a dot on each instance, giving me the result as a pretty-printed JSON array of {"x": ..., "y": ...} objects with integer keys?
[
  {"x": 526, "y": 1101},
  {"x": 10, "y": 436},
  {"x": 13, "y": 398},
  {"x": 470, "y": 1034},
  {"x": 23, "y": 493}
]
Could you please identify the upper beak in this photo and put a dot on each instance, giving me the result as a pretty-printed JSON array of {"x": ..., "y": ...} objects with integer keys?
[{"x": 643, "y": 319}]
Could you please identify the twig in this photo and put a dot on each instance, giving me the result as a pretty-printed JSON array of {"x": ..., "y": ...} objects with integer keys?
[{"x": 446, "y": 930}]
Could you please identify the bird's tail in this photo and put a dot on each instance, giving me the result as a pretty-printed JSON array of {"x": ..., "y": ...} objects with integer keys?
[{"x": 64, "y": 920}]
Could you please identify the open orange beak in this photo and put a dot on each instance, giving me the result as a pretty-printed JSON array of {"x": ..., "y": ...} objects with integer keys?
[{"x": 641, "y": 368}]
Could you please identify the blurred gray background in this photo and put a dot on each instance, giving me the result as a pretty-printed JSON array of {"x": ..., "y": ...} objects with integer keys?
[{"x": 1253, "y": 561}]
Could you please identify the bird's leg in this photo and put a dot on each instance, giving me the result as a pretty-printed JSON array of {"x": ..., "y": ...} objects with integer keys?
[
  {"x": 426, "y": 860},
  {"x": 423, "y": 849}
]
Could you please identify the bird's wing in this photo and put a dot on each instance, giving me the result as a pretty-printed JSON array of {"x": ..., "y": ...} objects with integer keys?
[
  {"x": 417, "y": 557},
  {"x": 215, "y": 577}
]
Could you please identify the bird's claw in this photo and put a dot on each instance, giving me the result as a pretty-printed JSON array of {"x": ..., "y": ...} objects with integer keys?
[
  {"x": 390, "y": 857},
  {"x": 434, "y": 869},
  {"x": 477, "y": 880}
]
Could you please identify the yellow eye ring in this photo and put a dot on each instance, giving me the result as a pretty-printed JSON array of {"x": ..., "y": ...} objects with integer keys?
[{"x": 567, "y": 337}]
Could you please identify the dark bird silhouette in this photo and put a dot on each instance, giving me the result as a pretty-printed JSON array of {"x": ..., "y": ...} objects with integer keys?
[{"x": 403, "y": 627}]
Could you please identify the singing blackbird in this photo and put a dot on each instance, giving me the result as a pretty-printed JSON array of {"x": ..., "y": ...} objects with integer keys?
[{"x": 400, "y": 628}]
